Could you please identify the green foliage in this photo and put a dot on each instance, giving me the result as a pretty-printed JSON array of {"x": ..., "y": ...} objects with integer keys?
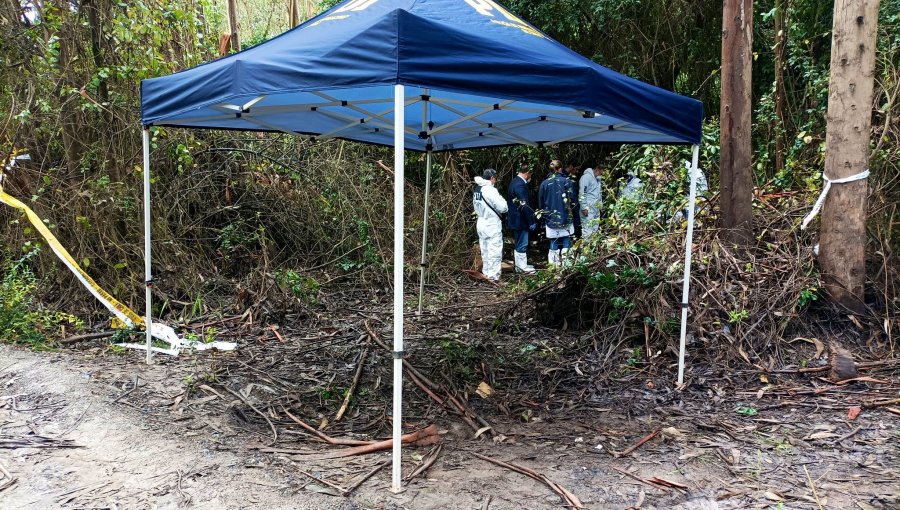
[
  {"x": 807, "y": 296},
  {"x": 22, "y": 320},
  {"x": 746, "y": 411},
  {"x": 304, "y": 288},
  {"x": 736, "y": 316}
]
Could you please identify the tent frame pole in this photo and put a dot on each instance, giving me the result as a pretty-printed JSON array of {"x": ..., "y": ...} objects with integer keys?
[
  {"x": 399, "y": 181},
  {"x": 148, "y": 271},
  {"x": 689, "y": 242},
  {"x": 423, "y": 265}
]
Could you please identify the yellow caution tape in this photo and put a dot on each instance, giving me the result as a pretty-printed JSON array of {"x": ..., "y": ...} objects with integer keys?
[
  {"x": 123, "y": 315},
  {"x": 122, "y": 312}
]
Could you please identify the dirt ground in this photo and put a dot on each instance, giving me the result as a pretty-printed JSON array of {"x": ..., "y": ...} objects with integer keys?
[{"x": 75, "y": 432}]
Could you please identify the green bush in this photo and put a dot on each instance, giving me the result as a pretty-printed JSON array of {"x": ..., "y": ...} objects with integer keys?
[{"x": 21, "y": 320}]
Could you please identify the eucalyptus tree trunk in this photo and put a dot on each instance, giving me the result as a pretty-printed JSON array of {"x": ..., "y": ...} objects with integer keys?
[
  {"x": 233, "y": 25},
  {"x": 850, "y": 95},
  {"x": 736, "y": 196}
]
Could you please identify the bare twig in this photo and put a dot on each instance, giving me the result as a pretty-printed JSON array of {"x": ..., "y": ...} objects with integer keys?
[
  {"x": 324, "y": 437},
  {"x": 244, "y": 400},
  {"x": 333, "y": 485},
  {"x": 640, "y": 443},
  {"x": 426, "y": 464},
  {"x": 368, "y": 475},
  {"x": 425, "y": 437},
  {"x": 567, "y": 497},
  {"x": 352, "y": 389},
  {"x": 813, "y": 487}
]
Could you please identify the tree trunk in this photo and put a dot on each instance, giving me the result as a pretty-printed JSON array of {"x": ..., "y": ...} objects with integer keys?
[
  {"x": 850, "y": 96},
  {"x": 294, "y": 13},
  {"x": 735, "y": 165},
  {"x": 233, "y": 25},
  {"x": 781, "y": 12}
]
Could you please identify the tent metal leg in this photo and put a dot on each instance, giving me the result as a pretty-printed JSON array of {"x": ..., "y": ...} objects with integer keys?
[
  {"x": 399, "y": 178},
  {"x": 423, "y": 269},
  {"x": 148, "y": 272},
  {"x": 689, "y": 241}
]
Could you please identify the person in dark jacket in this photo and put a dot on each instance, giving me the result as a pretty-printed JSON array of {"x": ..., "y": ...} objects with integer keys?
[
  {"x": 521, "y": 219},
  {"x": 572, "y": 173},
  {"x": 554, "y": 199}
]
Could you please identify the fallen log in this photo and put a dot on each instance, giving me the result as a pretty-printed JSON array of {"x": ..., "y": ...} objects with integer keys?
[
  {"x": 425, "y": 437},
  {"x": 84, "y": 338}
]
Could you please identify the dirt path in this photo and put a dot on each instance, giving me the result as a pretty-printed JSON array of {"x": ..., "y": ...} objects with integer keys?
[
  {"x": 120, "y": 461},
  {"x": 75, "y": 433}
]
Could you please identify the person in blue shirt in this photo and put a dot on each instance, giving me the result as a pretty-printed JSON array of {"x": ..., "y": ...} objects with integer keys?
[
  {"x": 521, "y": 219},
  {"x": 555, "y": 200}
]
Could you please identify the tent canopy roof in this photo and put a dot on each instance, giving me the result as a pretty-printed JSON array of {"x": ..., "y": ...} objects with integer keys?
[{"x": 476, "y": 76}]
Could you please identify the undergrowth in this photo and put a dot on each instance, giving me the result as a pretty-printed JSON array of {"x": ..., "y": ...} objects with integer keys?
[{"x": 22, "y": 319}]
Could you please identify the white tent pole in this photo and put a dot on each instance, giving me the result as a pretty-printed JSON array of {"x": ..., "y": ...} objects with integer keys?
[
  {"x": 399, "y": 139},
  {"x": 148, "y": 273},
  {"x": 424, "y": 262},
  {"x": 689, "y": 241}
]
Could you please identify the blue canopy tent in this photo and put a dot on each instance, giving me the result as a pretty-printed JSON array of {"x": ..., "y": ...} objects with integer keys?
[{"x": 421, "y": 75}]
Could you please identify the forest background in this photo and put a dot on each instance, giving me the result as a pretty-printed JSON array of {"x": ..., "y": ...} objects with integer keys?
[{"x": 242, "y": 218}]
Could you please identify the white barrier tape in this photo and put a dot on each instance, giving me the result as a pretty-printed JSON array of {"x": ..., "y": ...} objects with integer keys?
[
  {"x": 176, "y": 343},
  {"x": 821, "y": 201}
]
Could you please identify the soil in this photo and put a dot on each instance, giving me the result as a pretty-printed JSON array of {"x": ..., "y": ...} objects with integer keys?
[{"x": 75, "y": 432}]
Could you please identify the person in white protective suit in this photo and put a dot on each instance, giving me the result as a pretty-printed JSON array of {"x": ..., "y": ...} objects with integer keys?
[
  {"x": 590, "y": 196},
  {"x": 490, "y": 208}
]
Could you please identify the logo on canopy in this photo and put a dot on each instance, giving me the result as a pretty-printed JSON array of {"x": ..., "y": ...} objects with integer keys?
[{"x": 487, "y": 8}]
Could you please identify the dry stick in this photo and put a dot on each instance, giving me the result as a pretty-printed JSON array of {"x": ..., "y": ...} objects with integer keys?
[
  {"x": 324, "y": 437},
  {"x": 849, "y": 434},
  {"x": 882, "y": 403},
  {"x": 425, "y": 437},
  {"x": 640, "y": 443},
  {"x": 567, "y": 496},
  {"x": 359, "y": 369},
  {"x": 5, "y": 472},
  {"x": 334, "y": 486},
  {"x": 244, "y": 400},
  {"x": 429, "y": 387},
  {"x": 425, "y": 465},
  {"x": 368, "y": 475},
  {"x": 813, "y": 487},
  {"x": 639, "y": 479},
  {"x": 129, "y": 392},
  {"x": 84, "y": 338}
]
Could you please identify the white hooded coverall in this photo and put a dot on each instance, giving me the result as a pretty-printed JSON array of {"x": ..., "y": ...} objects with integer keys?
[
  {"x": 590, "y": 197},
  {"x": 489, "y": 226}
]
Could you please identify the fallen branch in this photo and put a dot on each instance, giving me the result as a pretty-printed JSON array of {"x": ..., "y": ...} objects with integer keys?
[
  {"x": 431, "y": 389},
  {"x": 84, "y": 338},
  {"x": 640, "y": 443},
  {"x": 426, "y": 464},
  {"x": 244, "y": 400},
  {"x": 569, "y": 498},
  {"x": 368, "y": 475},
  {"x": 334, "y": 486},
  {"x": 881, "y": 403},
  {"x": 34, "y": 441},
  {"x": 324, "y": 437},
  {"x": 639, "y": 479},
  {"x": 352, "y": 389},
  {"x": 425, "y": 437},
  {"x": 849, "y": 434}
]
